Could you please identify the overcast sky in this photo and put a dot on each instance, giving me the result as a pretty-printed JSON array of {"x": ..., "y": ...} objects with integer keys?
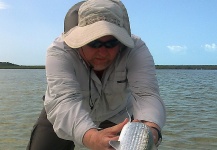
[{"x": 177, "y": 32}]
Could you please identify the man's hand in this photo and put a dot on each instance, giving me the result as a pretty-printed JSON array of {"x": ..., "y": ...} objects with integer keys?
[{"x": 98, "y": 140}]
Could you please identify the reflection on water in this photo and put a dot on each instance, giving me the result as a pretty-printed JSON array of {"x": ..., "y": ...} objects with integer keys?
[{"x": 190, "y": 97}]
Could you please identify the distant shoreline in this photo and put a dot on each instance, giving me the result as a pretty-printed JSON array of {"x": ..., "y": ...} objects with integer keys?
[
  {"x": 187, "y": 67},
  {"x": 8, "y": 65}
]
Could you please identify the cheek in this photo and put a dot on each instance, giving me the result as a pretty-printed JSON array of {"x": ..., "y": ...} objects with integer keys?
[
  {"x": 87, "y": 54},
  {"x": 90, "y": 55},
  {"x": 113, "y": 53}
]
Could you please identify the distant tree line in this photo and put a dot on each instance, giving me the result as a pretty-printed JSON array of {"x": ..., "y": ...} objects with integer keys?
[
  {"x": 192, "y": 67},
  {"x": 8, "y": 65}
]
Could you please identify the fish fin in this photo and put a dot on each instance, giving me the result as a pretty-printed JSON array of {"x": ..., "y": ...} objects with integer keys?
[
  {"x": 128, "y": 115},
  {"x": 115, "y": 144}
]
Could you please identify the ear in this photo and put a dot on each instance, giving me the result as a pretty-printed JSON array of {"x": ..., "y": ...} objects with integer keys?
[{"x": 115, "y": 144}]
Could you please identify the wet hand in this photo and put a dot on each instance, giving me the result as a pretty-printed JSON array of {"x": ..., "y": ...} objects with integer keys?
[{"x": 98, "y": 140}]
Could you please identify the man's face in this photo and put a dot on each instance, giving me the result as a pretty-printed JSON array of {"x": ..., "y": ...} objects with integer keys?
[{"x": 101, "y": 52}]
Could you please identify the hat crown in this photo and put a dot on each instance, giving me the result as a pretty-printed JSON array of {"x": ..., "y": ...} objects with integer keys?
[
  {"x": 93, "y": 11},
  {"x": 98, "y": 18}
]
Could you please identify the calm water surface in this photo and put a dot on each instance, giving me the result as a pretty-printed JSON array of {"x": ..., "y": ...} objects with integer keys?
[{"x": 190, "y": 97}]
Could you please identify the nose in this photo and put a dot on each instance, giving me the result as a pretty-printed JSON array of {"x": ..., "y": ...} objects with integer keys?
[{"x": 103, "y": 51}]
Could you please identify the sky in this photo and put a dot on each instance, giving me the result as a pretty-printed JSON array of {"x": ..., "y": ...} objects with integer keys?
[{"x": 177, "y": 32}]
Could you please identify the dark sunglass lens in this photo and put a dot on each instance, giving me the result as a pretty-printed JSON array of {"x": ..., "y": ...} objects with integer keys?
[
  {"x": 111, "y": 44},
  {"x": 95, "y": 44},
  {"x": 108, "y": 44}
]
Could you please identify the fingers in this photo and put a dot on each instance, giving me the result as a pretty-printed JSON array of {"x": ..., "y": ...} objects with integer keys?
[
  {"x": 117, "y": 128},
  {"x": 98, "y": 140},
  {"x": 155, "y": 135},
  {"x": 136, "y": 120},
  {"x": 114, "y": 138},
  {"x": 101, "y": 140}
]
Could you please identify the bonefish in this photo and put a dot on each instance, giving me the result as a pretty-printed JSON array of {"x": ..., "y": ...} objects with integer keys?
[{"x": 134, "y": 136}]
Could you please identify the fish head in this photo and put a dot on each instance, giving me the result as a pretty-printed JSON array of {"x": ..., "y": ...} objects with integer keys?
[{"x": 134, "y": 136}]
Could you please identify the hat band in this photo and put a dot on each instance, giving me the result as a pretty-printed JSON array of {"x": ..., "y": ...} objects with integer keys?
[{"x": 93, "y": 19}]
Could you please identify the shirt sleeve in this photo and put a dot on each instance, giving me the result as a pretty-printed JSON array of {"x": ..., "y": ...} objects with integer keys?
[
  {"x": 147, "y": 104},
  {"x": 63, "y": 99}
]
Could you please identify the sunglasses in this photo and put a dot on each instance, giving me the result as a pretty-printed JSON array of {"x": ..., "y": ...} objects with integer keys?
[{"x": 108, "y": 44}]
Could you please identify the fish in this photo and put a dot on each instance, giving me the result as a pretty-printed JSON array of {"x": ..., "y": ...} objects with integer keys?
[{"x": 134, "y": 136}]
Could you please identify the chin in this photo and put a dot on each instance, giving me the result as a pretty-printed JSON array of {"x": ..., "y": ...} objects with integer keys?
[{"x": 99, "y": 68}]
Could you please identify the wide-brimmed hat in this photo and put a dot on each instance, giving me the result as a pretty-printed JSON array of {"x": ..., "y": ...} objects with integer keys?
[{"x": 98, "y": 18}]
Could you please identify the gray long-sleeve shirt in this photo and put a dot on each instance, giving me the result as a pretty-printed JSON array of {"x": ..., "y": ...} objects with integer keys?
[{"x": 130, "y": 82}]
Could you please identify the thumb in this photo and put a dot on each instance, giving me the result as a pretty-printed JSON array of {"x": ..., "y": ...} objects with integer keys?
[{"x": 117, "y": 128}]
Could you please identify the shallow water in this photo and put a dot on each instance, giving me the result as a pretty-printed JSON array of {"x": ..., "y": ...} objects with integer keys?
[
  {"x": 191, "y": 100},
  {"x": 190, "y": 97}
]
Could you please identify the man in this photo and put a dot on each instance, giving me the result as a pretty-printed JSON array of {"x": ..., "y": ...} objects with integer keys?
[{"x": 95, "y": 72}]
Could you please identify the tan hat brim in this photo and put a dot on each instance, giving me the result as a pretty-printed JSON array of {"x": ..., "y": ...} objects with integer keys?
[{"x": 80, "y": 36}]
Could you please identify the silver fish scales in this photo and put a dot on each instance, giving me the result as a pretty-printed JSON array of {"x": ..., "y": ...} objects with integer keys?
[{"x": 134, "y": 136}]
